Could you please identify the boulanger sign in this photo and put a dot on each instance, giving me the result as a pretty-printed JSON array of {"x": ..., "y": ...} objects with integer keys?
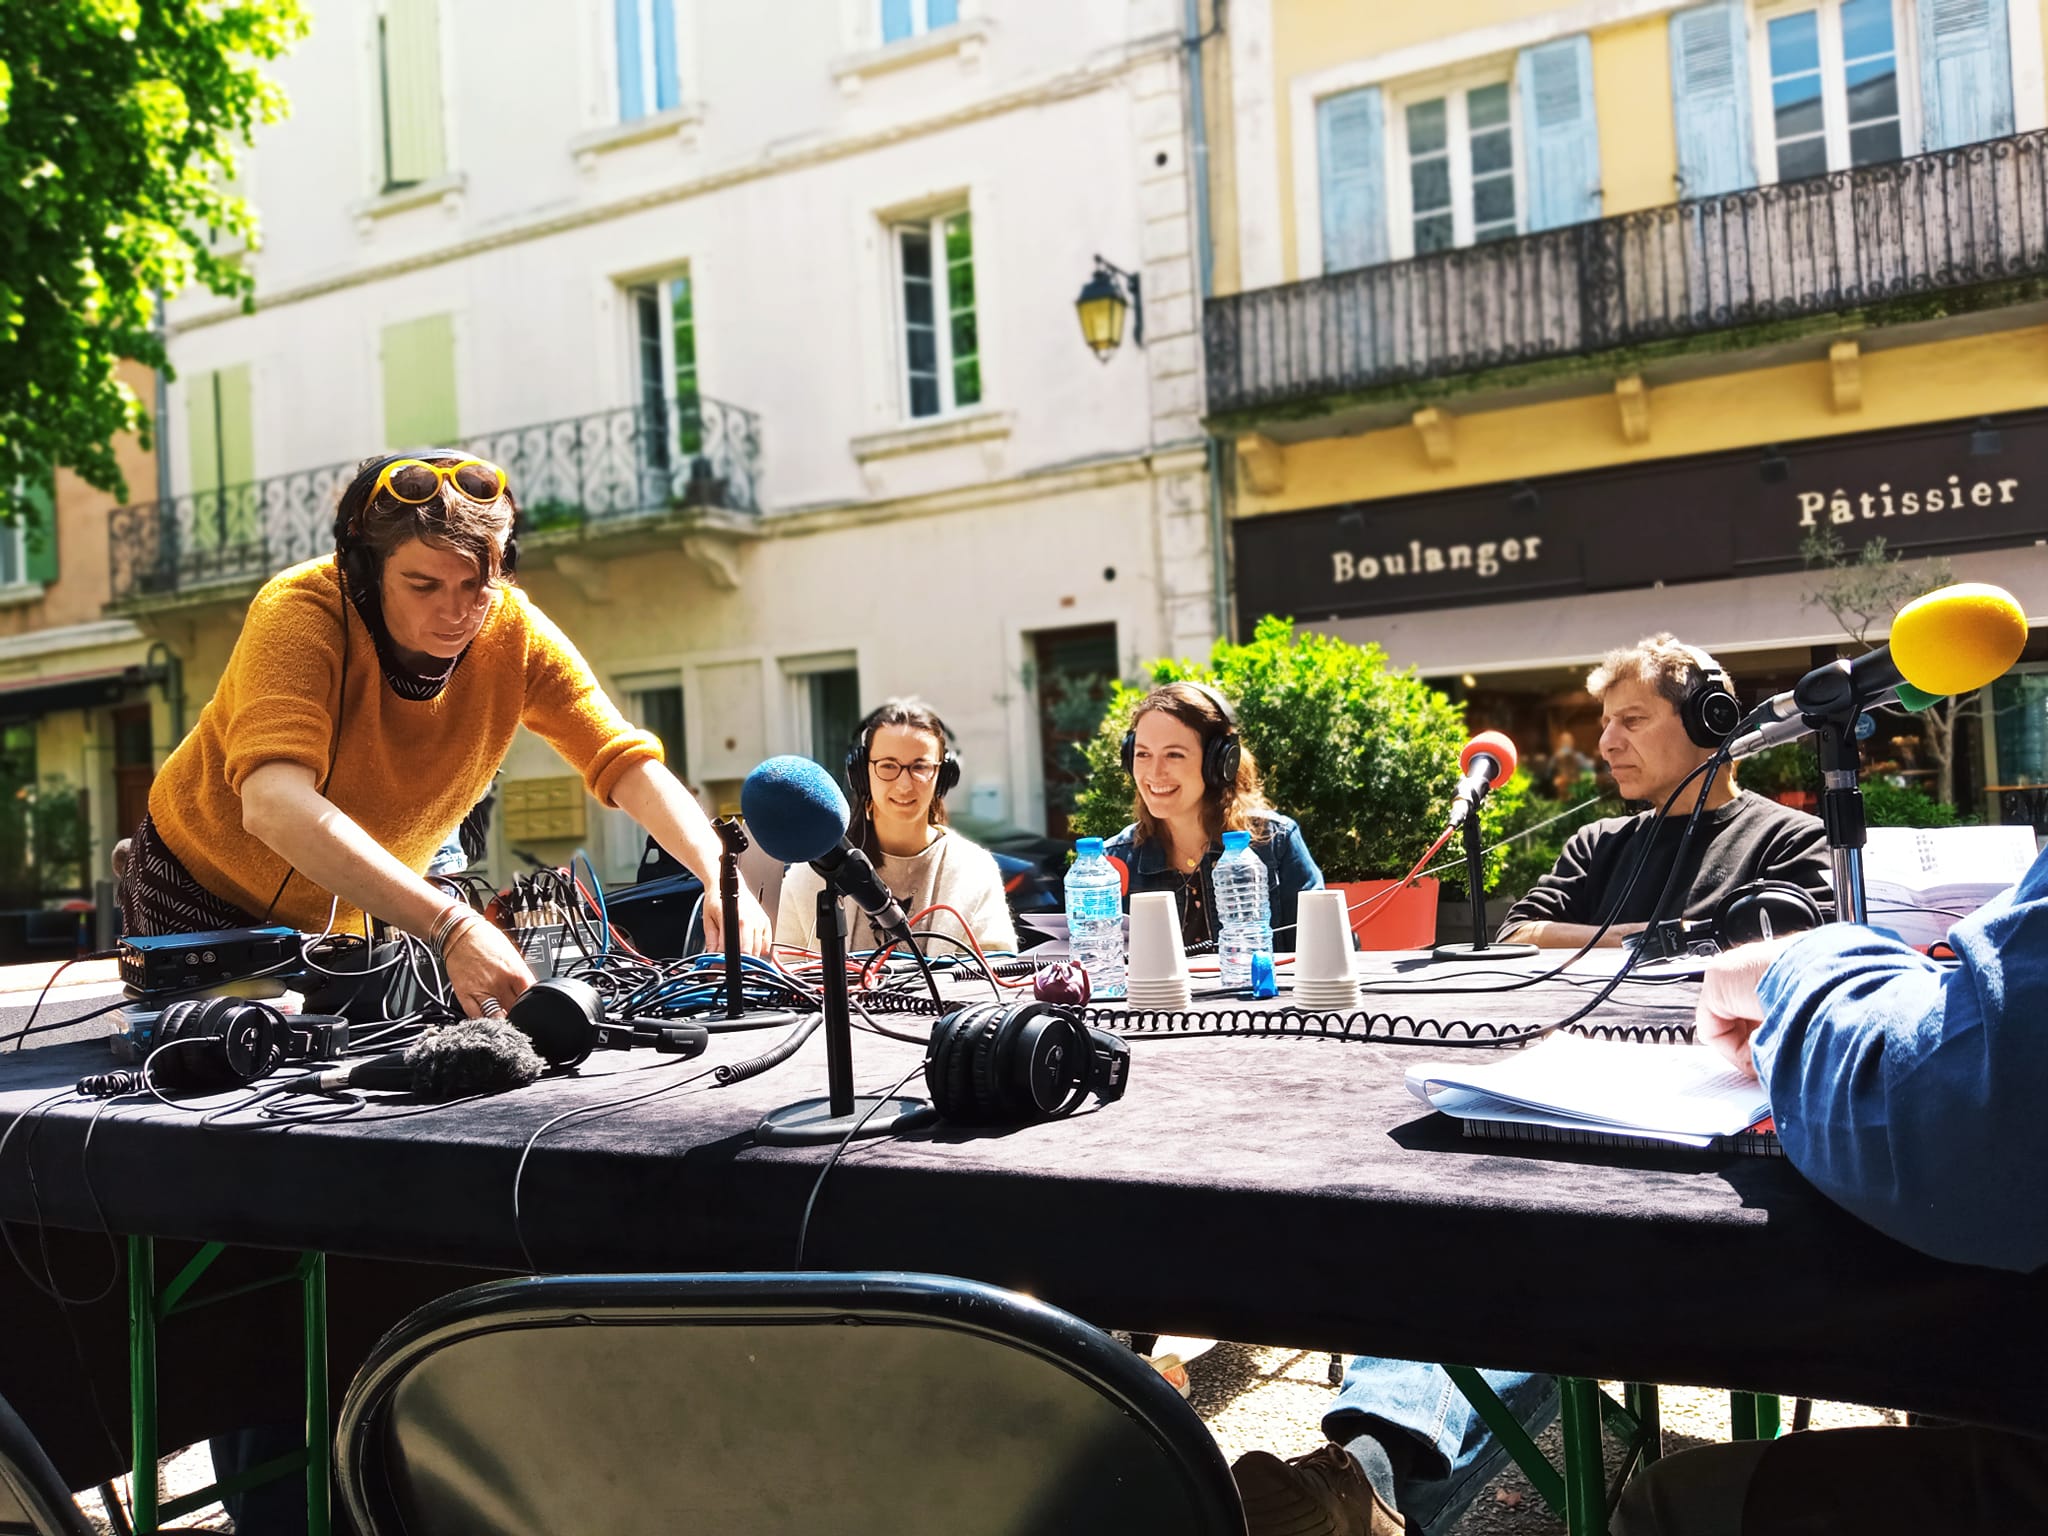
[{"x": 1924, "y": 490}]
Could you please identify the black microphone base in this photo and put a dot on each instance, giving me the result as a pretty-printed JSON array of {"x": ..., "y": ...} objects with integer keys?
[
  {"x": 1467, "y": 953},
  {"x": 812, "y": 1122}
]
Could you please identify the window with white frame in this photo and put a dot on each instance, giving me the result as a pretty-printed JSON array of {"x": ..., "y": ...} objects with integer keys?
[
  {"x": 1458, "y": 168},
  {"x": 824, "y": 706},
  {"x": 665, "y": 352},
  {"x": 909, "y": 18},
  {"x": 649, "y": 68},
  {"x": 941, "y": 341},
  {"x": 1831, "y": 72},
  {"x": 655, "y": 703}
]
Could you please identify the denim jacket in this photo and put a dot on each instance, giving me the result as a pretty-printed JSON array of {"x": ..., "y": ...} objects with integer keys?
[{"x": 1290, "y": 870}]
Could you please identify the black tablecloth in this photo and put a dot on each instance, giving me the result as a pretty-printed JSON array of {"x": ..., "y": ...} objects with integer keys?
[{"x": 1284, "y": 1190}]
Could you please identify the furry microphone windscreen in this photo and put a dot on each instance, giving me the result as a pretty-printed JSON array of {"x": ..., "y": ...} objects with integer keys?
[{"x": 469, "y": 1057}]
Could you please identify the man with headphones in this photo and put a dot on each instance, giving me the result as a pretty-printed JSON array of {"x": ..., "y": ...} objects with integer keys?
[{"x": 1665, "y": 708}]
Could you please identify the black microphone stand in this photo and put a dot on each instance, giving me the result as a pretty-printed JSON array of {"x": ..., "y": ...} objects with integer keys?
[
  {"x": 732, "y": 839},
  {"x": 1841, "y": 811},
  {"x": 1475, "y": 877},
  {"x": 844, "y": 1112}
]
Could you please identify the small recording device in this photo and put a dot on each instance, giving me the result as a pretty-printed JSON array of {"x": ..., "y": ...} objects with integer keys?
[{"x": 152, "y": 964}]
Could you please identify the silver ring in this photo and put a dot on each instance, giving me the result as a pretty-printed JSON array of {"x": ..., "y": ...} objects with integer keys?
[{"x": 490, "y": 1007}]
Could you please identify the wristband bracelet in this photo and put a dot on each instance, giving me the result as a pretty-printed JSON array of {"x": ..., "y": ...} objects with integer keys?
[{"x": 452, "y": 917}]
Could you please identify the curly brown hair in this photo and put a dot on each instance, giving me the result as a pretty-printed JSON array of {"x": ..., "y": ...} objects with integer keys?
[{"x": 1241, "y": 806}]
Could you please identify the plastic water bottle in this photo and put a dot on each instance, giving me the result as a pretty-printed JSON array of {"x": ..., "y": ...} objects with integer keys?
[
  {"x": 1095, "y": 919},
  {"x": 1244, "y": 915}
]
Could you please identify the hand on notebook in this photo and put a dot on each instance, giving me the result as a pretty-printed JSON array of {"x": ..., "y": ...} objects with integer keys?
[{"x": 1729, "y": 1010}]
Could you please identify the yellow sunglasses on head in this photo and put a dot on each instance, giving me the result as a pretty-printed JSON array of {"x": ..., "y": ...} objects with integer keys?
[{"x": 415, "y": 481}]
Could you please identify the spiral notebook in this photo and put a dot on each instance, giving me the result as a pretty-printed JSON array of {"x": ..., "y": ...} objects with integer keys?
[{"x": 1571, "y": 1088}]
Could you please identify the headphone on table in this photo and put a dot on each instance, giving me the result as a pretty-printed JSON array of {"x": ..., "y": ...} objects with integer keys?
[
  {"x": 221, "y": 1043},
  {"x": 1709, "y": 709},
  {"x": 948, "y": 777},
  {"x": 1020, "y": 1063},
  {"x": 1221, "y": 753},
  {"x": 352, "y": 551},
  {"x": 1761, "y": 909}
]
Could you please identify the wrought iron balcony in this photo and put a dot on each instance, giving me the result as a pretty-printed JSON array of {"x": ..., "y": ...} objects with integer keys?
[
  {"x": 1876, "y": 239},
  {"x": 595, "y": 474}
]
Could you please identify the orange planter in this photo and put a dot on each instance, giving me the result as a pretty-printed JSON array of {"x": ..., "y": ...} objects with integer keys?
[{"x": 1406, "y": 920}]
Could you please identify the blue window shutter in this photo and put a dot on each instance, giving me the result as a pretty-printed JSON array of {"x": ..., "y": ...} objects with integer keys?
[
  {"x": 941, "y": 13},
  {"x": 1965, "y": 71},
  {"x": 895, "y": 20},
  {"x": 632, "y": 97},
  {"x": 1351, "y": 146},
  {"x": 1563, "y": 153},
  {"x": 1710, "y": 98},
  {"x": 668, "y": 80}
]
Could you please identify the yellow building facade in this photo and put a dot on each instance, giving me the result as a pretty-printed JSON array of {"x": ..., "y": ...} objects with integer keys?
[{"x": 1640, "y": 298}]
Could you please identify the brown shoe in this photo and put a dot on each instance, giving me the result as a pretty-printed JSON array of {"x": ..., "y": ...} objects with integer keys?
[{"x": 1325, "y": 1493}]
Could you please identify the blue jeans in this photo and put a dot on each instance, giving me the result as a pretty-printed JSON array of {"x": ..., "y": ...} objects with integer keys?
[{"x": 1444, "y": 1454}]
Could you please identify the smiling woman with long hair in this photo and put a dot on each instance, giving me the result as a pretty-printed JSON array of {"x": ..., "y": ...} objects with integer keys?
[
  {"x": 1194, "y": 780},
  {"x": 370, "y": 699},
  {"x": 899, "y": 768}
]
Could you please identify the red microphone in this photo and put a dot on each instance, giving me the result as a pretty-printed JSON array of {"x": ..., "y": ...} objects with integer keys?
[{"x": 1487, "y": 759}]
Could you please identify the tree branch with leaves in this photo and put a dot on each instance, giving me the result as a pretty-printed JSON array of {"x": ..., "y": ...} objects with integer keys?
[{"x": 120, "y": 122}]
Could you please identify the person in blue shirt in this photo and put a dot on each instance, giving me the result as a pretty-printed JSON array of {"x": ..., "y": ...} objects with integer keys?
[
  {"x": 1195, "y": 781},
  {"x": 1908, "y": 1091}
]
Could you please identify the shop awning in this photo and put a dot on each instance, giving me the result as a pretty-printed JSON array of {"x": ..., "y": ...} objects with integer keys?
[
  {"x": 27, "y": 698},
  {"x": 1726, "y": 617}
]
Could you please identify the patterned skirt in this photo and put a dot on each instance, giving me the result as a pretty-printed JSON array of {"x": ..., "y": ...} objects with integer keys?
[{"x": 160, "y": 895}]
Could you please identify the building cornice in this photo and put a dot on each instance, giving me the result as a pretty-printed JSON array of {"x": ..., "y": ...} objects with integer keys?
[
  {"x": 1036, "y": 485},
  {"x": 776, "y": 162},
  {"x": 92, "y": 636}
]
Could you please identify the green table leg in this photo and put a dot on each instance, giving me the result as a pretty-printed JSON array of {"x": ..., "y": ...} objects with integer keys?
[
  {"x": 1508, "y": 1430},
  {"x": 313, "y": 1276},
  {"x": 1585, "y": 1475},
  {"x": 1642, "y": 1402},
  {"x": 1753, "y": 1416},
  {"x": 142, "y": 1383}
]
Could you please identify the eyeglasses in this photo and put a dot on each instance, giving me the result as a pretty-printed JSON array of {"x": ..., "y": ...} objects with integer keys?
[
  {"x": 415, "y": 481},
  {"x": 887, "y": 769}
]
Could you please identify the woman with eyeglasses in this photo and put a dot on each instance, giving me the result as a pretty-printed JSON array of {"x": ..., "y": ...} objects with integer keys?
[
  {"x": 368, "y": 703},
  {"x": 898, "y": 773}
]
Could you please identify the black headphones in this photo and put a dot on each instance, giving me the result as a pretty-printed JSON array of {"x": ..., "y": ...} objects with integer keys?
[
  {"x": 1221, "y": 753},
  {"x": 1709, "y": 709},
  {"x": 221, "y": 1043},
  {"x": 857, "y": 760},
  {"x": 1761, "y": 909},
  {"x": 1020, "y": 1063},
  {"x": 352, "y": 553}
]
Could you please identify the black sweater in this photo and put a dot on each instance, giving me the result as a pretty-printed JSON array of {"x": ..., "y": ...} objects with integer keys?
[{"x": 1750, "y": 838}]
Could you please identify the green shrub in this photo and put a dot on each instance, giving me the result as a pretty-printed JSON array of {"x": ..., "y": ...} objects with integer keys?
[
  {"x": 1886, "y": 804},
  {"x": 1363, "y": 756},
  {"x": 1787, "y": 769}
]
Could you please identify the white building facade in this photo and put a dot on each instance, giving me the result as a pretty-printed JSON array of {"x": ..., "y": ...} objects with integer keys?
[{"x": 769, "y": 311}]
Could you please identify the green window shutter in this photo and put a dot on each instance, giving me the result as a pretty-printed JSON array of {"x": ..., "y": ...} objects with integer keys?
[
  {"x": 237, "y": 455},
  {"x": 419, "y": 382},
  {"x": 966, "y": 333},
  {"x": 1350, "y": 135},
  {"x": 414, "y": 146},
  {"x": 42, "y": 533},
  {"x": 202, "y": 425}
]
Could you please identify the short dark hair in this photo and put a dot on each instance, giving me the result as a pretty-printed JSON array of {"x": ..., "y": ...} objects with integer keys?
[{"x": 380, "y": 524}]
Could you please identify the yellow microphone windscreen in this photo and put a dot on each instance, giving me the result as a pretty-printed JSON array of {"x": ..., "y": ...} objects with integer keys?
[{"x": 1958, "y": 638}]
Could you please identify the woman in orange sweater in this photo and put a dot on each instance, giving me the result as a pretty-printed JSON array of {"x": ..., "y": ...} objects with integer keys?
[{"x": 368, "y": 704}]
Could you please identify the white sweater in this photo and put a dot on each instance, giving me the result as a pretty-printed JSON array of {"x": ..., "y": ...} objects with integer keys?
[{"x": 952, "y": 871}]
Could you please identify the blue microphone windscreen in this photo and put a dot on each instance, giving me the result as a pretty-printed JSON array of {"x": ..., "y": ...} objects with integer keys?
[{"x": 794, "y": 810}]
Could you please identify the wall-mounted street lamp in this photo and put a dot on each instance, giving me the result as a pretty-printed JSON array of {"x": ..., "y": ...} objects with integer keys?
[{"x": 1104, "y": 298}]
